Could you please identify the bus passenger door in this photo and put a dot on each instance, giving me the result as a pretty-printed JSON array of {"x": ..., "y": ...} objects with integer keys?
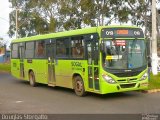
[
  {"x": 92, "y": 54},
  {"x": 50, "y": 52},
  {"x": 21, "y": 57}
]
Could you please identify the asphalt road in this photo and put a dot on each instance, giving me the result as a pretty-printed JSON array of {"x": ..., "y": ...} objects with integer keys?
[{"x": 17, "y": 96}]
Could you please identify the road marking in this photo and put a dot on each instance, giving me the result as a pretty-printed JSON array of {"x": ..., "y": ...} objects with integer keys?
[{"x": 19, "y": 101}]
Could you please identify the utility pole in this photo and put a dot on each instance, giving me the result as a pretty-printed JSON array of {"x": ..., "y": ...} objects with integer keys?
[
  {"x": 16, "y": 22},
  {"x": 154, "y": 39}
]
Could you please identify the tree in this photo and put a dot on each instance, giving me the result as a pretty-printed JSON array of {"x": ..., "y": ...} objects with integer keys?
[
  {"x": 70, "y": 15},
  {"x": 46, "y": 12},
  {"x": 2, "y": 42},
  {"x": 15, "y": 4},
  {"x": 140, "y": 17},
  {"x": 34, "y": 17},
  {"x": 39, "y": 17}
]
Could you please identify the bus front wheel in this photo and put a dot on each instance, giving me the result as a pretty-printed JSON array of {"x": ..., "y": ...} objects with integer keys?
[
  {"x": 32, "y": 80},
  {"x": 79, "y": 86}
]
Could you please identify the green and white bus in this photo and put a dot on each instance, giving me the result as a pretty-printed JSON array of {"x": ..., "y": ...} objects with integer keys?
[{"x": 101, "y": 60}]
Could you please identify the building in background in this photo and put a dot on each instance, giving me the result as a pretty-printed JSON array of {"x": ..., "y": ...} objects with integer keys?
[{"x": 4, "y": 54}]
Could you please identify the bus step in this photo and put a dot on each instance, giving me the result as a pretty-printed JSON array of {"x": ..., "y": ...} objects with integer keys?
[{"x": 51, "y": 84}]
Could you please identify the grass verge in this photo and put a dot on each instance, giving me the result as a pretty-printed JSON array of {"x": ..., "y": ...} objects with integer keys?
[
  {"x": 5, "y": 67},
  {"x": 154, "y": 82}
]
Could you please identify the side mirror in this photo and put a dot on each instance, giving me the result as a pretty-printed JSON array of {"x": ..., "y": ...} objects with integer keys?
[{"x": 101, "y": 46}]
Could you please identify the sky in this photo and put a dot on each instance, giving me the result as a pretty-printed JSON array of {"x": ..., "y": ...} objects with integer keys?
[{"x": 4, "y": 19}]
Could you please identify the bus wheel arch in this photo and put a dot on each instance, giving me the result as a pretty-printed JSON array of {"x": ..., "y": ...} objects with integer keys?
[
  {"x": 31, "y": 77},
  {"x": 78, "y": 85}
]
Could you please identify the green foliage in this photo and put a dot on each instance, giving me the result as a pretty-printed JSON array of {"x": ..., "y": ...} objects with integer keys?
[
  {"x": 154, "y": 83},
  {"x": 123, "y": 14},
  {"x": 5, "y": 67},
  {"x": 45, "y": 16}
]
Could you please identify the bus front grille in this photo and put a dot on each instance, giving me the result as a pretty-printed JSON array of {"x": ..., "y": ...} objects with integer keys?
[
  {"x": 126, "y": 74},
  {"x": 128, "y": 85},
  {"x": 127, "y": 80}
]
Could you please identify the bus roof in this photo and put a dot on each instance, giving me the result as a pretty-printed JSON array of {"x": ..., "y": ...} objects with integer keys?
[{"x": 70, "y": 33}]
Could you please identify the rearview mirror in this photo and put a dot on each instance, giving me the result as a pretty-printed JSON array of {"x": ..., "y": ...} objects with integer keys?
[{"x": 102, "y": 46}]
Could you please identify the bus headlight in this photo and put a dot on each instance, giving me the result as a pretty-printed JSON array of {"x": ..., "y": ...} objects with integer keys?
[
  {"x": 144, "y": 76},
  {"x": 109, "y": 79}
]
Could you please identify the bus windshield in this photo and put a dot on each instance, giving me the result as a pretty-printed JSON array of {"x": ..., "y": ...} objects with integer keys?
[{"x": 124, "y": 54}]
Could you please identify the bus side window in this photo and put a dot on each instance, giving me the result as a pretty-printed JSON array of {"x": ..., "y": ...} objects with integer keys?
[
  {"x": 40, "y": 49},
  {"x": 62, "y": 47},
  {"x": 14, "y": 53},
  {"x": 29, "y": 51},
  {"x": 77, "y": 47}
]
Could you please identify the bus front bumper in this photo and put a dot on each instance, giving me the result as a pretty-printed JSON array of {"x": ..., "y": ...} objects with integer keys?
[{"x": 119, "y": 87}]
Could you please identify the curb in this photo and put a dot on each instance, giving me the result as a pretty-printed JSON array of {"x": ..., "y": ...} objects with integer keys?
[{"x": 151, "y": 91}]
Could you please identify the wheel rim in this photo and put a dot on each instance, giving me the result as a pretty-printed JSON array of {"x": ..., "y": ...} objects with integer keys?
[
  {"x": 31, "y": 79},
  {"x": 79, "y": 86}
]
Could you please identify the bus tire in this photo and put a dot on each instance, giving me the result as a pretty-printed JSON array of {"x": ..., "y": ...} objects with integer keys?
[
  {"x": 79, "y": 86},
  {"x": 32, "y": 80}
]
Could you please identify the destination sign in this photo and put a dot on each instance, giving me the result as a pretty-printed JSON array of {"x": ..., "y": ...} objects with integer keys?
[
  {"x": 119, "y": 42},
  {"x": 122, "y": 32}
]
